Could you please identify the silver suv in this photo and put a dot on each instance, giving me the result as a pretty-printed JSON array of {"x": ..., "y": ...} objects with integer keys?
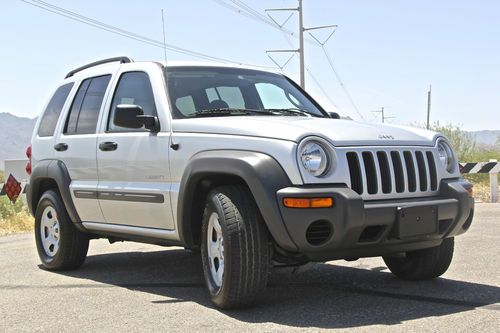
[{"x": 241, "y": 165}]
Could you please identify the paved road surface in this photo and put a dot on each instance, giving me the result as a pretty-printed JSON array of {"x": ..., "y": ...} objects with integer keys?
[{"x": 137, "y": 287}]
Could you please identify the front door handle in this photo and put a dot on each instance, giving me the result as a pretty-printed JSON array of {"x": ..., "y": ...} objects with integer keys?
[
  {"x": 61, "y": 146},
  {"x": 108, "y": 146}
]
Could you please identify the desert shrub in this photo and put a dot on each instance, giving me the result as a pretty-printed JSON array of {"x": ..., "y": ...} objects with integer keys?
[
  {"x": 8, "y": 209},
  {"x": 468, "y": 150}
]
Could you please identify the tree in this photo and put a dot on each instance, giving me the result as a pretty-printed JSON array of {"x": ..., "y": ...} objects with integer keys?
[{"x": 462, "y": 142}]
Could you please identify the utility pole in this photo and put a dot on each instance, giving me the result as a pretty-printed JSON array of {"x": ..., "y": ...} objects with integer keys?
[
  {"x": 301, "y": 49},
  {"x": 382, "y": 113},
  {"x": 429, "y": 105},
  {"x": 301, "y": 46}
]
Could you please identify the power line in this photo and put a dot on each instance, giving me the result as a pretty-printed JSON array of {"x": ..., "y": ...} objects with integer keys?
[
  {"x": 243, "y": 12},
  {"x": 382, "y": 114},
  {"x": 330, "y": 62},
  {"x": 315, "y": 80},
  {"x": 250, "y": 12},
  {"x": 118, "y": 31},
  {"x": 243, "y": 9},
  {"x": 322, "y": 89},
  {"x": 247, "y": 11}
]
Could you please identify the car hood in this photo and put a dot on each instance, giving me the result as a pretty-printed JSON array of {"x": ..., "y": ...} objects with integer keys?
[{"x": 338, "y": 131}]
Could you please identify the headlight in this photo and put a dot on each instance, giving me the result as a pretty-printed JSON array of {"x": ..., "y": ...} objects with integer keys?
[
  {"x": 314, "y": 158},
  {"x": 446, "y": 156}
]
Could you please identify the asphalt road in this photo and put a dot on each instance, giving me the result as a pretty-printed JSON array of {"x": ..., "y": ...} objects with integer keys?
[{"x": 137, "y": 287}]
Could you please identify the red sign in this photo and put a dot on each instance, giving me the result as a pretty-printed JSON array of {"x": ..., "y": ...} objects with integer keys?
[{"x": 12, "y": 189}]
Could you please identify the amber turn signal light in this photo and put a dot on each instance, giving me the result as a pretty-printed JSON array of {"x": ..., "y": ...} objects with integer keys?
[
  {"x": 470, "y": 191},
  {"x": 308, "y": 202}
]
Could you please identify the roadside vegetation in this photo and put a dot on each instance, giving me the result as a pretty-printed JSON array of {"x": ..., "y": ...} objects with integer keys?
[
  {"x": 14, "y": 218},
  {"x": 468, "y": 150}
]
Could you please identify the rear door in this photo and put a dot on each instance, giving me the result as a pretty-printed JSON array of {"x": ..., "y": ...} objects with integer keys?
[
  {"x": 43, "y": 138},
  {"x": 133, "y": 168},
  {"x": 76, "y": 144}
]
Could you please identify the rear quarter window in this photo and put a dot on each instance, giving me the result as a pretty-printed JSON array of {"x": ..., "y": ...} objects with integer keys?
[
  {"x": 84, "y": 113},
  {"x": 53, "y": 111}
]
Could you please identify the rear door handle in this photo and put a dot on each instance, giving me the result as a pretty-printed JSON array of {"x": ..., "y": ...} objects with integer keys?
[
  {"x": 61, "y": 146},
  {"x": 108, "y": 146}
]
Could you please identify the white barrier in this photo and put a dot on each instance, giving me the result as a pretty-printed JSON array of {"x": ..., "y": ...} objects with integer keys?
[{"x": 492, "y": 168}]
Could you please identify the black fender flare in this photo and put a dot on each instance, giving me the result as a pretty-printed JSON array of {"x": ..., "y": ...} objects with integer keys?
[
  {"x": 52, "y": 170},
  {"x": 263, "y": 175}
]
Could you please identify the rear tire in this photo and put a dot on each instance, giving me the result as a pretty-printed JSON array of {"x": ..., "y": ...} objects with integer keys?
[
  {"x": 60, "y": 245},
  {"x": 235, "y": 250},
  {"x": 423, "y": 264}
]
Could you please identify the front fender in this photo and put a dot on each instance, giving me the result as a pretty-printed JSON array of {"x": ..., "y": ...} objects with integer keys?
[{"x": 263, "y": 175}]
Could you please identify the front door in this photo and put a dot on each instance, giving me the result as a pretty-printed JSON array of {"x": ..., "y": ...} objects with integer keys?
[{"x": 133, "y": 169}]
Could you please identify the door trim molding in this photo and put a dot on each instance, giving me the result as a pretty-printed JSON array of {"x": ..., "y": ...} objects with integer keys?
[{"x": 120, "y": 196}]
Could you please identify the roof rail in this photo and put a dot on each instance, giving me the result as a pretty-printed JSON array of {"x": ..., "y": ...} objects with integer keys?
[{"x": 121, "y": 60}]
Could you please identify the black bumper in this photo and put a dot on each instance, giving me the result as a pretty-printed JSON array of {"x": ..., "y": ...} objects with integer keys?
[{"x": 360, "y": 228}]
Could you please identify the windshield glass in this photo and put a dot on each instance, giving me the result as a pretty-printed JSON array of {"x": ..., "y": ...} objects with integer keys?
[{"x": 216, "y": 91}]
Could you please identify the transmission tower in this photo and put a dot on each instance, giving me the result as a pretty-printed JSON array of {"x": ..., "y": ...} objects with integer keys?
[{"x": 302, "y": 29}]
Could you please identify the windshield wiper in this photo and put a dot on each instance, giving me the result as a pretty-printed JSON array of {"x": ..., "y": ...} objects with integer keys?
[
  {"x": 219, "y": 112},
  {"x": 294, "y": 111}
]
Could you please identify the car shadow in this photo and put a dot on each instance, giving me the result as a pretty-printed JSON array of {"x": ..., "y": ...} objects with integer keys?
[{"x": 327, "y": 296}]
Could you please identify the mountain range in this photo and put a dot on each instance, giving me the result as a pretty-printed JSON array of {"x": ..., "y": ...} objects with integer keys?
[{"x": 15, "y": 136}]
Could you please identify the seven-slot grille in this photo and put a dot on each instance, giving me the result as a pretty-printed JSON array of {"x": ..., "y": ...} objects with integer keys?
[{"x": 385, "y": 172}]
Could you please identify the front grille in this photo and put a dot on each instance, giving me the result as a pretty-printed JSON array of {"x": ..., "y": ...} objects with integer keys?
[{"x": 390, "y": 171}]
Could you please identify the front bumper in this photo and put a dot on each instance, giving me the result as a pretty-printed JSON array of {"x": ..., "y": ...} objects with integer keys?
[{"x": 372, "y": 228}]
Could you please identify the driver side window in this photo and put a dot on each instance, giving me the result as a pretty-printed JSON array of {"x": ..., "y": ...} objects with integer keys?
[{"x": 133, "y": 88}]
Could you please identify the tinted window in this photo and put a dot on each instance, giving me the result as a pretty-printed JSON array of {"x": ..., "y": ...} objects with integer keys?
[
  {"x": 51, "y": 114},
  {"x": 193, "y": 89},
  {"x": 133, "y": 88},
  {"x": 85, "y": 109}
]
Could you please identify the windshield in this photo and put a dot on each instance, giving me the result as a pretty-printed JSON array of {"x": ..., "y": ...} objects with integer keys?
[{"x": 219, "y": 91}]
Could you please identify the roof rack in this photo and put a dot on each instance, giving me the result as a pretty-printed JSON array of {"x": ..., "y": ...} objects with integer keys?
[{"x": 121, "y": 60}]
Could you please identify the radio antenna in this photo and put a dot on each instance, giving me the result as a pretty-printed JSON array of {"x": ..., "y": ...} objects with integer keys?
[{"x": 164, "y": 37}]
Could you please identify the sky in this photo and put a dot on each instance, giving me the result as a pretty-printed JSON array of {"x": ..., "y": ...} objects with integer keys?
[{"x": 386, "y": 52}]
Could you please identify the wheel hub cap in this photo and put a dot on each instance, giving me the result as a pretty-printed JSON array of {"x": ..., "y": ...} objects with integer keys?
[
  {"x": 215, "y": 249},
  {"x": 50, "y": 231}
]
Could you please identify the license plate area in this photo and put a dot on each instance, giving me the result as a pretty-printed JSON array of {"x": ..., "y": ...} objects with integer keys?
[{"x": 417, "y": 221}]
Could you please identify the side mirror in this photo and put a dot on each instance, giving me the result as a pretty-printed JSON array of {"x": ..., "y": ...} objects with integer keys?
[
  {"x": 132, "y": 116},
  {"x": 334, "y": 115}
]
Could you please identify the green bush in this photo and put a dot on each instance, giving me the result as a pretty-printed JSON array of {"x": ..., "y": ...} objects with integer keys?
[
  {"x": 8, "y": 209},
  {"x": 468, "y": 150},
  {"x": 2, "y": 177},
  {"x": 462, "y": 142}
]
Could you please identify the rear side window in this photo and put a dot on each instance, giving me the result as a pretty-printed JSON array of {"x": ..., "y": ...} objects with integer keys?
[
  {"x": 53, "y": 111},
  {"x": 133, "y": 88},
  {"x": 84, "y": 113}
]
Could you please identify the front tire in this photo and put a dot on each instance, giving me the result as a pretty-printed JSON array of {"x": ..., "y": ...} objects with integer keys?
[
  {"x": 60, "y": 245},
  {"x": 423, "y": 264},
  {"x": 235, "y": 251}
]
